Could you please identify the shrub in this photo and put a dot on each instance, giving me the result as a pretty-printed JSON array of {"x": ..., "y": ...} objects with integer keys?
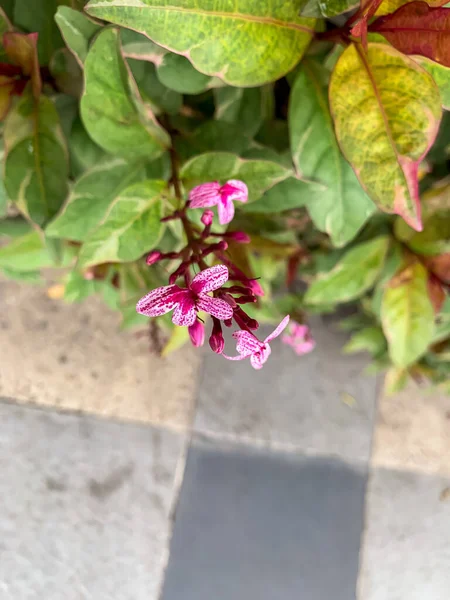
[{"x": 248, "y": 161}]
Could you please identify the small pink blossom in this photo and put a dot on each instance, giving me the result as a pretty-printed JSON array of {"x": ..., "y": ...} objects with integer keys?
[
  {"x": 187, "y": 301},
  {"x": 197, "y": 333},
  {"x": 153, "y": 257},
  {"x": 299, "y": 338},
  {"x": 207, "y": 217},
  {"x": 248, "y": 345},
  {"x": 211, "y": 194}
]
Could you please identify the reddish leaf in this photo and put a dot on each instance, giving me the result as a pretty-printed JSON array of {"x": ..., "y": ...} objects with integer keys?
[
  {"x": 440, "y": 267},
  {"x": 359, "y": 20},
  {"x": 436, "y": 293},
  {"x": 21, "y": 49},
  {"x": 416, "y": 28}
]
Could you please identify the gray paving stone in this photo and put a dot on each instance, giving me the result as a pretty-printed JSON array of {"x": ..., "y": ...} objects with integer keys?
[
  {"x": 320, "y": 403},
  {"x": 406, "y": 551},
  {"x": 253, "y": 525},
  {"x": 84, "y": 506}
]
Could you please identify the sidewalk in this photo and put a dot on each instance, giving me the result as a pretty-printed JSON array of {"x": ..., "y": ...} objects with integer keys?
[{"x": 130, "y": 477}]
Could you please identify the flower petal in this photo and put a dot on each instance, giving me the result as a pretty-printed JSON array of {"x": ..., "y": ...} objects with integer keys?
[
  {"x": 247, "y": 343},
  {"x": 210, "y": 279},
  {"x": 240, "y": 357},
  {"x": 206, "y": 194},
  {"x": 281, "y": 327},
  {"x": 257, "y": 360},
  {"x": 215, "y": 306},
  {"x": 160, "y": 301},
  {"x": 225, "y": 209},
  {"x": 185, "y": 314},
  {"x": 197, "y": 333},
  {"x": 234, "y": 190}
]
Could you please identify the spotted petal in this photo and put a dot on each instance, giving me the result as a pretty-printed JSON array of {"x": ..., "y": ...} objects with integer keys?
[
  {"x": 258, "y": 359},
  {"x": 210, "y": 279},
  {"x": 206, "y": 194},
  {"x": 185, "y": 314},
  {"x": 281, "y": 327},
  {"x": 225, "y": 208},
  {"x": 160, "y": 301},
  {"x": 215, "y": 306},
  {"x": 247, "y": 343}
]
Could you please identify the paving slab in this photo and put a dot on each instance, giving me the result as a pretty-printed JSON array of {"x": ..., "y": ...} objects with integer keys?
[
  {"x": 320, "y": 403},
  {"x": 76, "y": 357},
  {"x": 406, "y": 553},
  {"x": 85, "y": 506},
  {"x": 253, "y": 524}
]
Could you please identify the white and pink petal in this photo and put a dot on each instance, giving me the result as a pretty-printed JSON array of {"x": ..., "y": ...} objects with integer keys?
[
  {"x": 247, "y": 343},
  {"x": 204, "y": 195},
  {"x": 160, "y": 301},
  {"x": 210, "y": 279},
  {"x": 225, "y": 208},
  {"x": 214, "y": 306},
  {"x": 234, "y": 190},
  {"x": 281, "y": 327},
  {"x": 185, "y": 313}
]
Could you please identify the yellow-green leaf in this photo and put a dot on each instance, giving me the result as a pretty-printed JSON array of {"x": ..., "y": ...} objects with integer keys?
[
  {"x": 441, "y": 76},
  {"x": 111, "y": 108},
  {"x": 353, "y": 275},
  {"x": 36, "y": 167},
  {"x": 245, "y": 43},
  {"x": 131, "y": 227},
  {"x": 407, "y": 315},
  {"x": 387, "y": 111}
]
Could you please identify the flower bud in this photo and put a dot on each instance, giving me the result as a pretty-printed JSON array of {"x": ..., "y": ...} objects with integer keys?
[
  {"x": 239, "y": 236},
  {"x": 197, "y": 333},
  {"x": 216, "y": 341},
  {"x": 153, "y": 257},
  {"x": 207, "y": 218},
  {"x": 255, "y": 287}
]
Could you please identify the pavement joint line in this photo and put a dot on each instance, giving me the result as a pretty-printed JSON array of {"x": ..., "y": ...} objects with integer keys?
[
  {"x": 180, "y": 472},
  {"x": 47, "y": 408}
]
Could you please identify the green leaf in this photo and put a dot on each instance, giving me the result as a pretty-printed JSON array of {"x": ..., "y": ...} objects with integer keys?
[
  {"x": 259, "y": 175},
  {"x": 131, "y": 227},
  {"x": 5, "y": 26},
  {"x": 441, "y": 76},
  {"x": 392, "y": 264},
  {"x": 161, "y": 98},
  {"x": 407, "y": 315},
  {"x": 395, "y": 380},
  {"x": 27, "y": 276},
  {"x": 353, "y": 275},
  {"x": 243, "y": 107},
  {"x": 341, "y": 207},
  {"x": 84, "y": 152},
  {"x": 249, "y": 45},
  {"x": 179, "y": 337},
  {"x": 326, "y": 8},
  {"x": 26, "y": 253},
  {"x": 213, "y": 136},
  {"x": 36, "y": 167},
  {"x": 290, "y": 193},
  {"x": 369, "y": 339},
  {"x": 37, "y": 16},
  {"x": 77, "y": 30},
  {"x": 433, "y": 240},
  {"x": 78, "y": 288},
  {"x": 178, "y": 74},
  {"x": 138, "y": 46},
  {"x": 91, "y": 197},
  {"x": 66, "y": 72},
  {"x": 67, "y": 109},
  {"x": 112, "y": 112},
  {"x": 386, "y": 123}
]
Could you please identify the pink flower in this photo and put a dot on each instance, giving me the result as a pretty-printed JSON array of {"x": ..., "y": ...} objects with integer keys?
[
  {"x": 197, "y": 333},
  {"x": 299, "y": 338},
  {"x": 187, "y": 301},
  {"x": 248, "y": 345},
  {"x": 210, "y": 194}
]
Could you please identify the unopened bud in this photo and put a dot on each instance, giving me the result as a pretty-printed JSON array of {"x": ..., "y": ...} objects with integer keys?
[
  {"x": 207, "y": 218},
  {"x": 255, "y": 287},
  {"x": 179, "y": 272},
  {"x": 216, "y": 341},
  {"x": 197, "y": 333},
  {"x": 239, "y": 236},
  {"x": 153, "y": 257}
]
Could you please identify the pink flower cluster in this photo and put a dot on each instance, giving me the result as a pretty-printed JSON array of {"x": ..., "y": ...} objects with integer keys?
[{"x": 206, "y": 291}]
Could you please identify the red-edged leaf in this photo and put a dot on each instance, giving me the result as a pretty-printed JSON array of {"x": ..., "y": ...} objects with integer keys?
[
  {"x": 21, "y": 49},
  {"x": 440, "y": 267},
  {"x": 416, "y": 28},
  {"x": 436, "y": 293},
  {"x": 359, "y": 20}
]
